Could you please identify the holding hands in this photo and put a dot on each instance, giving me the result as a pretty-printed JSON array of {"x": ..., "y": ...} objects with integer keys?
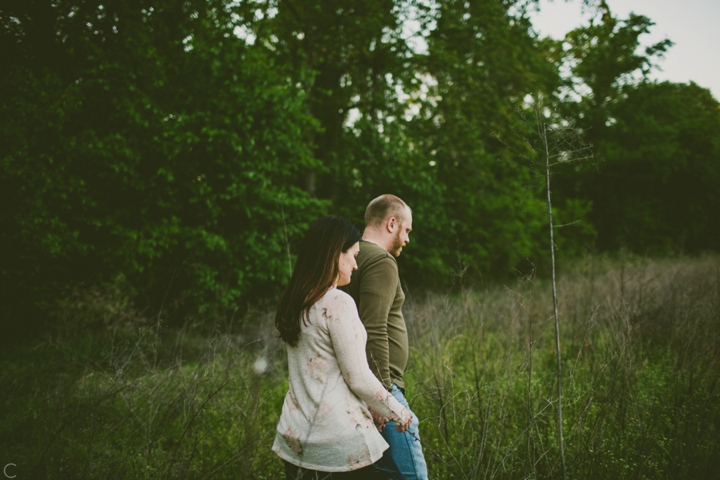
[{"x": 401, "y": 424}]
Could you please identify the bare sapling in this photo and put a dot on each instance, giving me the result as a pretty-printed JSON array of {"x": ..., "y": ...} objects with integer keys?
[
  {"x": 544, "y": 137},
  {"x": 552, "y": 144}
]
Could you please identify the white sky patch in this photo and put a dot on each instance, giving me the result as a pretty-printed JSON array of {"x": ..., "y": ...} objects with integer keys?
[
  {"x": 413, "y": 31},
  {"x": 243, "y": 32},
  {"x": 187, "y": 43},
  {"x": 353, "y": 116},
  {"x": 412, "y": 34}
]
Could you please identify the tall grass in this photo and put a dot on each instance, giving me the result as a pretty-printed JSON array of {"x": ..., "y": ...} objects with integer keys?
[
  {"x": 641, "y": 343},
  {"x": 640, "y": 349}
]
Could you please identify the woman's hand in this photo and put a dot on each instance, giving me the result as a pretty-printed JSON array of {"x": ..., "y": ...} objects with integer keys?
[
  {"x": 378, "y": 420},
  {"x": 403, "y": 424}
]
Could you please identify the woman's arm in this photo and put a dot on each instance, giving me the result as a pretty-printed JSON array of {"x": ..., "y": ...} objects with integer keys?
[{"x": 348, "y": 338}]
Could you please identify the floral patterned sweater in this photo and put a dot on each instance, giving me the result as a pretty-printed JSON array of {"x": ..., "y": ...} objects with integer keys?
[{"x": 325, "y": 423}]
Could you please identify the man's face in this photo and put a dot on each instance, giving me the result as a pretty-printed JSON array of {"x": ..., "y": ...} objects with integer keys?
[{"x": 402, "y": 235}]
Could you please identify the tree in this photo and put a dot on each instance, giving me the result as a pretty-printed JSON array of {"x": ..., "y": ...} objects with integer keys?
[
  {"x": 159, "y": 147},
  {"x": 653, "y": 142},
  {"x": 603, "y": 57},
  {"x": 483, "y": 61},
  {"x": 657, "y": 188}
]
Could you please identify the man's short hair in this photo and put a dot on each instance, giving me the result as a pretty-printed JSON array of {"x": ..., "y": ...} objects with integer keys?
[{"x": 384, "y": 207}]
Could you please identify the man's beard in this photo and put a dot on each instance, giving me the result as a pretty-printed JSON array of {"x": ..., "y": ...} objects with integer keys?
[{"x": 397, "y": 244}]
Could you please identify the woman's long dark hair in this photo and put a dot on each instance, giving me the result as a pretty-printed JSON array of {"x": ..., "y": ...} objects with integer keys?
[{"x": 315, "y": 271}]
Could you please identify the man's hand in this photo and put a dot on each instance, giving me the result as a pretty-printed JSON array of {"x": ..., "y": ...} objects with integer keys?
[
  {"x": 404, "y": 424},
  {"x": 378, "y": 419}
]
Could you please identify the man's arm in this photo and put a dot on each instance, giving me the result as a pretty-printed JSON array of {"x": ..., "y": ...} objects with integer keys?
[{"x": 375, "y": 298}]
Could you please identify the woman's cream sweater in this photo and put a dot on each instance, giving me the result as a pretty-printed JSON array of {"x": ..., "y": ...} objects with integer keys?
[{"x": 325, "y": 423}]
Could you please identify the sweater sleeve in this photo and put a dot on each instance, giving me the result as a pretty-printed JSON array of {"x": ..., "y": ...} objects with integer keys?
[
  {"x": 375, "y": 299},
  {"x": 347, "y": 335}
]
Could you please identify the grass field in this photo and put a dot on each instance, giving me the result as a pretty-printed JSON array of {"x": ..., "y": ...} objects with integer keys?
[{"x": 641, "y": 363}]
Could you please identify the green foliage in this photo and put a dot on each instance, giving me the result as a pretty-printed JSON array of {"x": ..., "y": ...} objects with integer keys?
[
  {"x": 169, "y": 152},
  {"x": 123, "y": 417},
  {"x": 657, "y": 143},
  {"x": 654, "y": 190},
  {"x": 635, "y": 403},
  {"x": 605, "y": 55},
  {"x": 640, "y": 373},
  {"x": 184, "y": 147},
  {"x": 483, "y": 62}
]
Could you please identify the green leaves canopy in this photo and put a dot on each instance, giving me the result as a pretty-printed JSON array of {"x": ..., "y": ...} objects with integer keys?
[
  {"x": 182, "y": 148},
  {"x": 162, "y": 148}
]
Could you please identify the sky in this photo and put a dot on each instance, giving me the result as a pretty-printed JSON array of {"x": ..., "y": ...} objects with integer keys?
[{"x": 693, "y": 25}]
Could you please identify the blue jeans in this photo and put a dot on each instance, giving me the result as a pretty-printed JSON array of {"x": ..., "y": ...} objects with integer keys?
[{"x": 405, "y": 447}]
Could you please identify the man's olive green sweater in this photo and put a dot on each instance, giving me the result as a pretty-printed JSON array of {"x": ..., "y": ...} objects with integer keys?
[{"x": 375, "y": 287}]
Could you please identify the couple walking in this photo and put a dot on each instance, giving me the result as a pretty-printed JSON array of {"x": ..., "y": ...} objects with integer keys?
[{"x": 345, "y": 415}]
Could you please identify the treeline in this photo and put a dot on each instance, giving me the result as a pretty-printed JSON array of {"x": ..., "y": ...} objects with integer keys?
[{"x": 177, "y": 150}]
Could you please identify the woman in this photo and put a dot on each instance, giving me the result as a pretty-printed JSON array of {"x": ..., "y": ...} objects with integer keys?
[{"x": 325, "y": 430}]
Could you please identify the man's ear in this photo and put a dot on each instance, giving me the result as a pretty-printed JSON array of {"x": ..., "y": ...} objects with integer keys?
[{"x": 391, "y": 224}]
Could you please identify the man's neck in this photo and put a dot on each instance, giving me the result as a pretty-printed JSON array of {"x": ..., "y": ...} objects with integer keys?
[{"x": 373, "y": 237}]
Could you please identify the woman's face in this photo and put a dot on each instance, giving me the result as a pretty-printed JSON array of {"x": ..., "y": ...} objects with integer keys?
[{"x": 346, "y": 264}]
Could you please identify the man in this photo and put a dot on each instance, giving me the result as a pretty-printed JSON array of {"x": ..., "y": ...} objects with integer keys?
[{"x": 375, "y": 287}]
